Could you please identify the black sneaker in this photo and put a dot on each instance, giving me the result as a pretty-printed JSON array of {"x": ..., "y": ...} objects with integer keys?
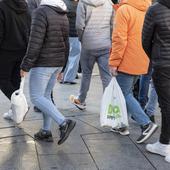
[
  {"x": 147, "y": 132},
  {"x": 65, "y": 130},
  {"x": 152, "y": 118},
  {"x": 36, "y": 109},
  {"x": 44, "y": 135}
]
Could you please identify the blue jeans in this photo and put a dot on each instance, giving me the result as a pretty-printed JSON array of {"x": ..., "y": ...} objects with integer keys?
[
  {"x": 87, "y": 60},
  {"x": 73, "y": 60},
  {"x": 126, "y": 83},
  {"x": 41, "y": 84},
  {"x": 152, "y": 102},
  {"x": 144, "y": 87}
]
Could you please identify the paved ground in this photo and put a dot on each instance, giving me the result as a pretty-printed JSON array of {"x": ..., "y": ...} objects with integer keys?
[{"x": 89, "y": 147}]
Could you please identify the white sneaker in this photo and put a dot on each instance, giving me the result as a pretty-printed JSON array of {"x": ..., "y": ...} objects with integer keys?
[
  {"x": 167, "y": 158},
  {"x": 8, "y": 115},
  {"x": 160, "y": 149},
  {"x": 122, "y": 131},
  {"x": 73, "y": 99}
]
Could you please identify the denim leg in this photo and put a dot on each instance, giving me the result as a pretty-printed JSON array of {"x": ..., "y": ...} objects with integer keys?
[
  {"x": 126, "y": 83},
  {"x": 103, "y": 64},
  {"x": 47, "y": 120},
  {"x": 87, "y": 61},
  {"x": 73, "y": 60},
  {"x": 152, "y": 102},
  {"x": 40, "y": 86},
  {"x": 144, "y": 87}
]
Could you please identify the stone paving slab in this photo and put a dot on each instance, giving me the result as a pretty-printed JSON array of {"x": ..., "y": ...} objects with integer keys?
[
  {"x": 64, "y": 161},
  {"x": 113, "y": 152},
  {"x": 18, "y": 154}
]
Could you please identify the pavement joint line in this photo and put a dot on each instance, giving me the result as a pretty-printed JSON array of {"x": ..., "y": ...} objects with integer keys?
[
  {"x": 66, "y": 153},
  {"x": 8, "y": 127},
  {"x": 89, "y": 124},
  {"x": 10, "y": 142},
  {"x": 142, "y": 152},
  {"x": 39, "y": 165},
  {"x": 12, "y": 136},
  {"x": 90, "y": 153}
]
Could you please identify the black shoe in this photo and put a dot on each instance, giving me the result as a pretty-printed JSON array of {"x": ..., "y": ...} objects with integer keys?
[
  {"x": 44, "y": 135},
  {"x": 147, "y": 132},
  {"x": 65, "y": 130},
  {"x": 152, "y": 118},
  {"x": 36, "y": 109},
  {"x": 77, "y": 76}
]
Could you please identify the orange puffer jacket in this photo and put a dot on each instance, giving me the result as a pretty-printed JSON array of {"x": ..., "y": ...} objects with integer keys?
[{"x": 127, "y": 53}]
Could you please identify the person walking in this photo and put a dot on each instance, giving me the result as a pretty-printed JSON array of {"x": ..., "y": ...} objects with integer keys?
[
  {"x": 156, "y": 43},
  {"x": 14, "y": 32},
  {"x": 94, "y": 26},
  {"x": 128, "y": 60},
  {"x": 75, "y": 45},
  {"x": 46, "y": 55}
]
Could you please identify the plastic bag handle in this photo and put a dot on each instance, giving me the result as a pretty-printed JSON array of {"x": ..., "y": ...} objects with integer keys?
[{"x": 21, "y": 89}]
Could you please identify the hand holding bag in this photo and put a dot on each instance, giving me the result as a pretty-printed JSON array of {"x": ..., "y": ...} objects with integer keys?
[
  {"x": 113, "y": 107},
  {"x": 19, "y": 104}
]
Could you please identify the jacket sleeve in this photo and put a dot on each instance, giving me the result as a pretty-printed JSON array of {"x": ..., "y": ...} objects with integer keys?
[
  {"x": 148, "y": 32},
  {"x": 80, "y": 19},
  {"x": 1, "y": 27},
  {"x": 37, "y": 34},
  {"x": 119, "y": 38}
]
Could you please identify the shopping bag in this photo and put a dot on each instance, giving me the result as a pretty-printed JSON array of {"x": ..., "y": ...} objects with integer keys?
[
  {"x": 113, "y": 111},
  {"x": 19, "y": 104}
]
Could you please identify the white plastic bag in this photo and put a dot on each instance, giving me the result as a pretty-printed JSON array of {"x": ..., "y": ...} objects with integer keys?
[
  {"x": 19, "y": 104},
  {"x": 113, "y": 107}
]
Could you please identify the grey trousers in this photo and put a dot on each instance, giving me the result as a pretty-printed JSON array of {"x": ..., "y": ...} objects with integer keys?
[{"x": 87, "y": 60}]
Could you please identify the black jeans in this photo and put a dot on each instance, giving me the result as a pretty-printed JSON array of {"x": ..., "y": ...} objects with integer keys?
[
  {"x": 161, "y": 78},
  {"x": 9, "y": 76}
]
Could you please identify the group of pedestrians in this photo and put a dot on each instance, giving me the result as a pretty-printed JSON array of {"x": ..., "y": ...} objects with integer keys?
[{"x": 121, "y": 39}]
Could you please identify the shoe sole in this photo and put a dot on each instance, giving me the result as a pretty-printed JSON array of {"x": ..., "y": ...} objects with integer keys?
[
  {"x": 123, "y": 134},
  {"x": 68, "y": 133},
  {"x": 77, "y": 105},
  {"x": 44, "y": 140},
  {"x": 149, "y": 134}
]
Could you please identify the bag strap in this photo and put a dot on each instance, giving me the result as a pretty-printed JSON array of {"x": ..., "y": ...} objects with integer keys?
[{"x": 21, "y": 89}]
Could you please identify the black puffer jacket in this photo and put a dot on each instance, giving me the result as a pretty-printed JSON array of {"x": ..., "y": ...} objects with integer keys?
[
  {"x": 72, "y": 7},
  {"x": 48, "y": 44},
  {"x": 14, "y": 25},
  {"x": 156, "y": 34}
]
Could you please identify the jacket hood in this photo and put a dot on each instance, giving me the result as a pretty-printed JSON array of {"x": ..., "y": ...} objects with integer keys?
[
  {"x": 165, "y": 2},
  {"x": 59, "y": 5},
  {"x": 95, "y": 3},
  {"x": 19, "y": 6},
  {"x": 141, "y": 5}
]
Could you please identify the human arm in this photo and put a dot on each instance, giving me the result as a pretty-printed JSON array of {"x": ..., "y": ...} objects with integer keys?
[{"x": 148, "y": 32}]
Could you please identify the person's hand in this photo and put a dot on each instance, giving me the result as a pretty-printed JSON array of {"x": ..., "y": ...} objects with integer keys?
[
  {"x": 113, "y": 71},
  {"x": 23, "y": 73},
  {"x": 59, "y": 76}
]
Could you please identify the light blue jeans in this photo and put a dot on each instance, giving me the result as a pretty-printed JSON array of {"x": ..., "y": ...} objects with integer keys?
[
  {"x": 41, "y": 84},
  {"x": 73, "y": 60},
  {"x": 87, "y": 61},
  {"x": 126, "y": 83}
]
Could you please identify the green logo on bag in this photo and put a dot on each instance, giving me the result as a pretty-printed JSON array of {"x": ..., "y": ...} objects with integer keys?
[{"x": 113, "y": 112}]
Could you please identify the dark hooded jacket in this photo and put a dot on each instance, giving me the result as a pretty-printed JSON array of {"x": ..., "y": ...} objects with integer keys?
[
  {"x": 156, "y": 34},
  {"x": 48, "y": 44},
  {"x": 14, "y": 26},
  {"x": 72, "y": 8}
]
